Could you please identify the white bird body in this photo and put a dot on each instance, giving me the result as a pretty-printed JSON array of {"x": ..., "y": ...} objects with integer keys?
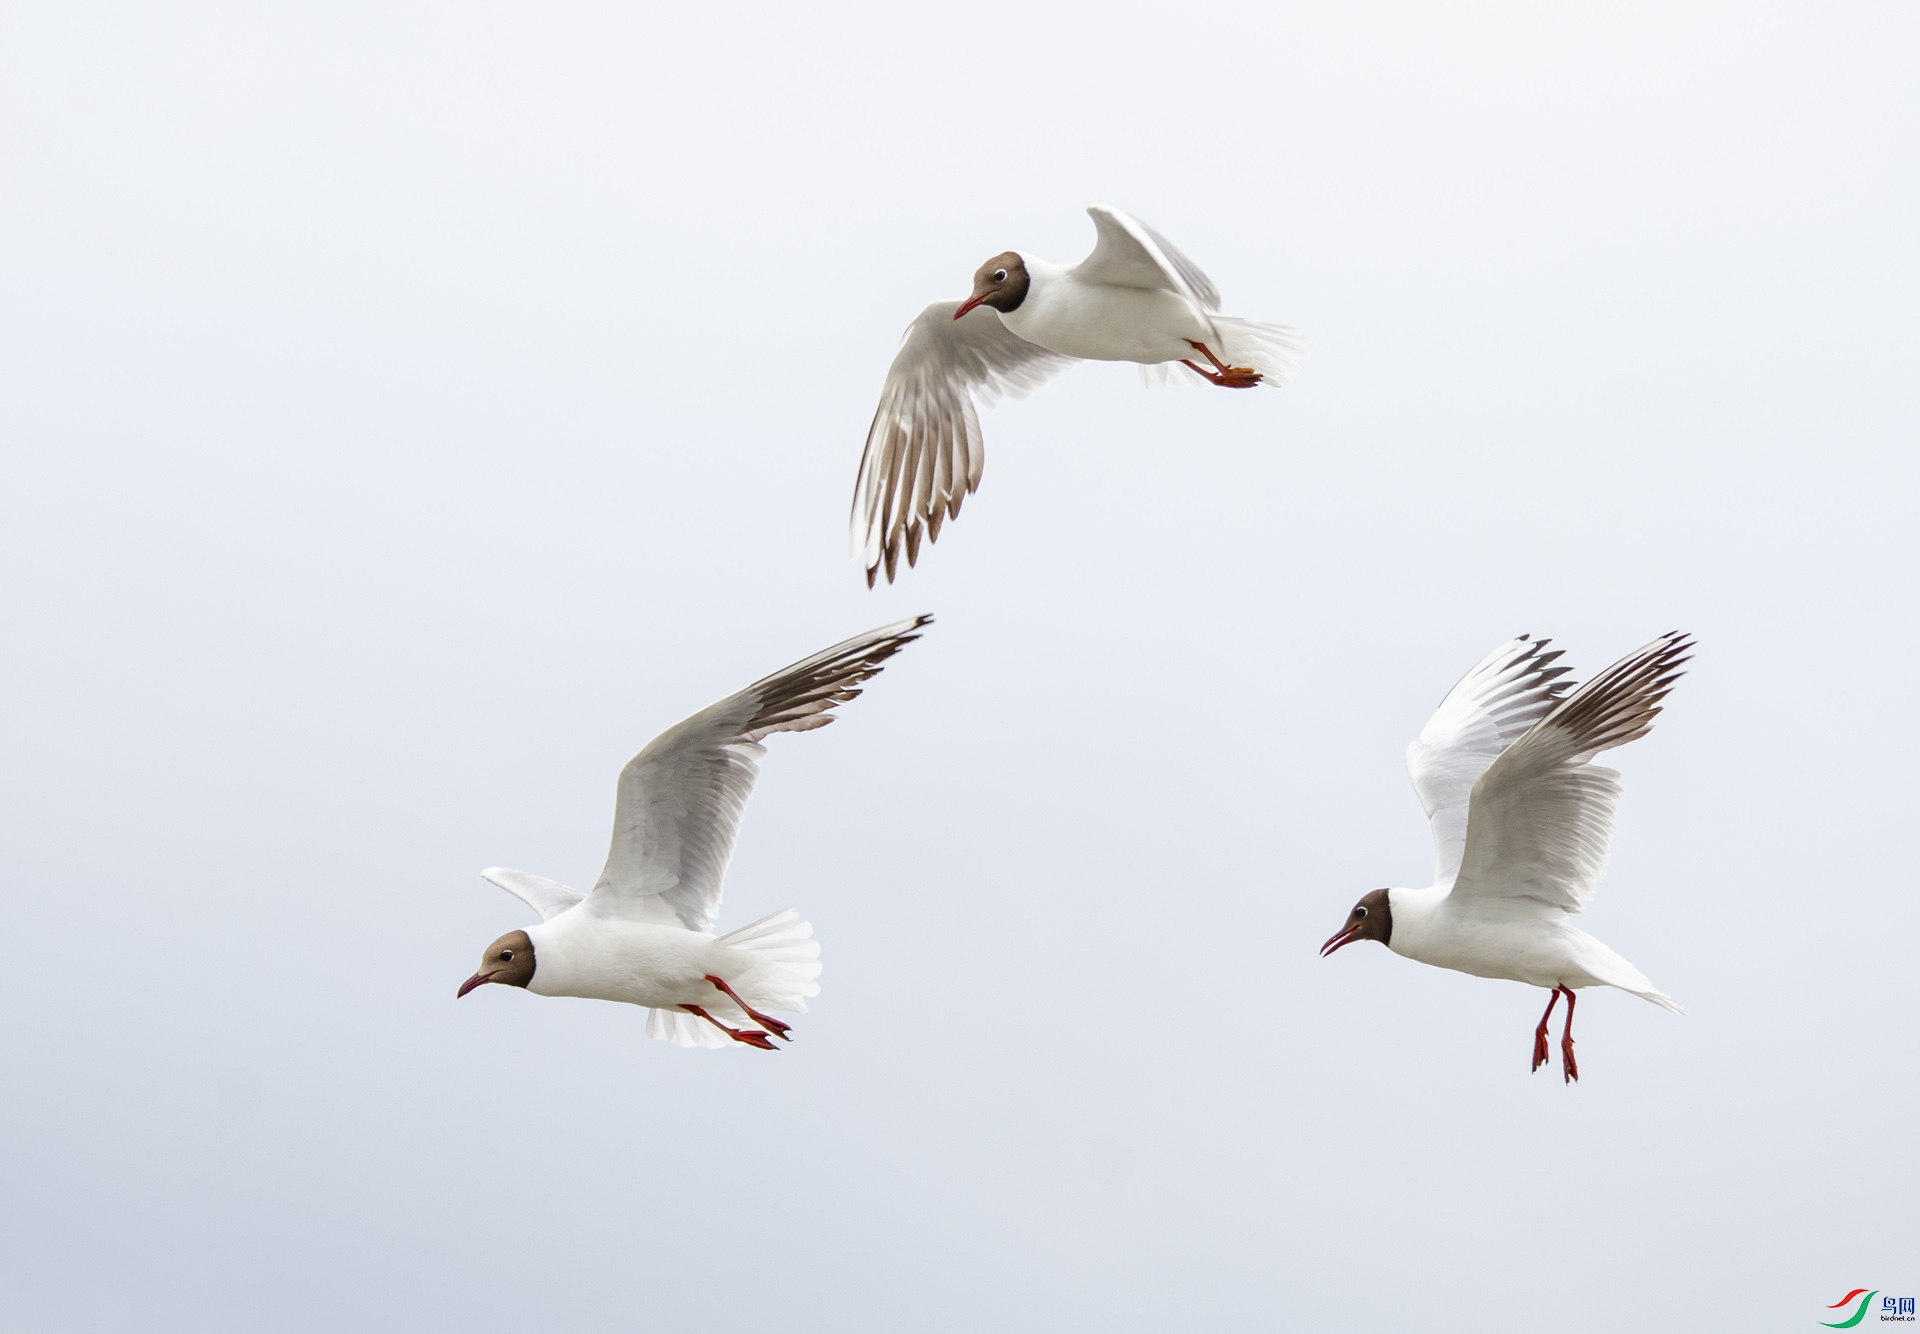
[
  {"x": 642, "y": 936},
  {"x": 1432, "y": 927},
  {"x": 1097, "y": 321},
  {"x": 1134, "y": 298},
  {"x": 641, "y": 963},
  {"x": 1521, "y": 820}
]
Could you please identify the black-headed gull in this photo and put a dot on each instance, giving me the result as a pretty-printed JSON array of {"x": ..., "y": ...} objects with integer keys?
[
  {"x": 643, "y": 935},
  {"x": 1521, "y": 821},
  {"x": 1135, "y": 298}
]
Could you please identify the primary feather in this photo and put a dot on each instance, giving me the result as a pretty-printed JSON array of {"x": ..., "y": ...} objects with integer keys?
[
  {"x": 924, "y": 454},
  {"x": 1507, "y": 692},
  {"x": 1540, "y": 818},
  {"x": 679, "y": 801}
]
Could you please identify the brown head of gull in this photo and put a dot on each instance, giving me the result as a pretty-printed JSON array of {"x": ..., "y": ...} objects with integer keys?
[
  {"x": 508, "y": 961},
  {"x": 1000, "y": 283},
  {"x": 1371, "y": 919}
]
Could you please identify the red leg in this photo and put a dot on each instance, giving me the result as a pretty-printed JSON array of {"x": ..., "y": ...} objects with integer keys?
[
  {"x": 753, "y": 1037},
  {"x": 765, "y": 1021},
  {"x": 1227, "y": 377},
  {"x": 1569, "y": 1067},
  {"x": 1540, "y": 1054},
  {"x": 1207, "y": 352}
]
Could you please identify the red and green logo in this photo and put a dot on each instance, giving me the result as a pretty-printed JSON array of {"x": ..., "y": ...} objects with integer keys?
[{"x": 1859, "y": 1312}]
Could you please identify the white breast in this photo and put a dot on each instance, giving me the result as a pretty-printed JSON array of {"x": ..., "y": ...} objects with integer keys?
[
  {"x": 600, "y": 958},
  {"x": 1430, "y": 927},
  {"x": 1101, "y": 323},
  {"x": 641, "y": 963}
]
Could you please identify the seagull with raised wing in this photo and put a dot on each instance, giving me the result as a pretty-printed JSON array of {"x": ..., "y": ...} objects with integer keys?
[
  {"x": 1521, "y": 821},
  {"x": 1135, "y": 298},
  {"x": 644, "y": 933}
]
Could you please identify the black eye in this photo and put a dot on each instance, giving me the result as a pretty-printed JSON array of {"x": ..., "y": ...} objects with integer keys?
[
  {"x": 506, "y": 954},
  {"x": 1359, "y": 912},
  {"x": 999, "y": 275}
]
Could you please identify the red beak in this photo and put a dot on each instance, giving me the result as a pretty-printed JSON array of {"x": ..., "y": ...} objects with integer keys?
[
  {"x": 477, "y": 980},
  {"x": 968, "y": 305},
  {"x": 1340, "y": 938}
]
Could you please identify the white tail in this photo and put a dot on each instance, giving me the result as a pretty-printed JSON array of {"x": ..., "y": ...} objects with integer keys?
[
  {"x": 1609, "y": 967},
  {"x": 1274, "y": 350},
  {"x": 786, "y": 945},
  {"x": 1661, "y": 999},
  {"x": 789, "y": 959}
]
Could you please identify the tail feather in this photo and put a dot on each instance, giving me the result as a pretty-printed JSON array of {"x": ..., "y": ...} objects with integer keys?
[
  {"x": 1275, "y": 350},
  {"x": 789, "y": 956},
  {"x": 1661, "y": 999},
  {"x": 1608, "y": 967},
  {"x": 785, "y": 942},
  {"x": 685, "y": 1030}
]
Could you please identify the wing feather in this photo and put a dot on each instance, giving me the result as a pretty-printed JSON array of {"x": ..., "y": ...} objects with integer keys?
[
  {"x": 1128, "y": 253},
  {"x": 1541, "y": 817},
  {"x": 679, "y": 801},
  {"x": 925, "y": 435},
  {"x": 1507, "y": 692},
  {"x": 547, "y": 897}
]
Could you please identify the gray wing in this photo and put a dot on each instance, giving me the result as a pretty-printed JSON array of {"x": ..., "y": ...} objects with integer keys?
[
  {"x": 1507, "y": 692},
  {"x": 1129, "y": 253},
  {"x": 1541, "y": 818},
  {"x": 547, "y": 897},
  {"x": 924, "y": 454},
  {"x": 679, "y": 801}
]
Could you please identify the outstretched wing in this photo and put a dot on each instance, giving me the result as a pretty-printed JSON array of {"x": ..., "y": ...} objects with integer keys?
[
  {"x": 1129, "y": 253},
  {"x": 679, "y": 801},
  {"x": 547, "y": 897},
  {"x": 1510, "y": 690},
  {"x": 924, "y": 455},
  {"x": 1541, "y": 817}
]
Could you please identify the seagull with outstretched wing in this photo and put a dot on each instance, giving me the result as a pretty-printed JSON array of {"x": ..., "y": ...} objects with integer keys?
[
  {"x": 644, "y": 933},
  {"x": 1521, "y": 821},
  {"x": 1135, "y": 298}
]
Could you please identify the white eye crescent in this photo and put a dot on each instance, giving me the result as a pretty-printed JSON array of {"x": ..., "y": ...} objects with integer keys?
[
  {"x": 1360, "y": 912},
  {"x": 507, "y": 955},
  {"x": 999, "y": 275}
]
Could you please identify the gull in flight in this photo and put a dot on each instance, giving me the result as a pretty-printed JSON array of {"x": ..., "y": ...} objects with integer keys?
[
  {"x": 1521, "y": 820},
  {"x": 644, "y": 933},
  {"x": 1135, "y": 298}
]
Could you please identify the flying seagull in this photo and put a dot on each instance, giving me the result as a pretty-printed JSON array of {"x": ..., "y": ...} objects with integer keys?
[
  {"x": 644, "y": 933},
  {"x": 1135, "y": 298},
  {"x": 1521, "y": 821}
]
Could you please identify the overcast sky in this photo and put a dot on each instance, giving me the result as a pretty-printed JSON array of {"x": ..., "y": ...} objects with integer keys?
[{"x": 410, "y": 410}]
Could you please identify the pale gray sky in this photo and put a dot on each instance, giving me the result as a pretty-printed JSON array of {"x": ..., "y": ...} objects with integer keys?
[{"x": 410, "y": 410}]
